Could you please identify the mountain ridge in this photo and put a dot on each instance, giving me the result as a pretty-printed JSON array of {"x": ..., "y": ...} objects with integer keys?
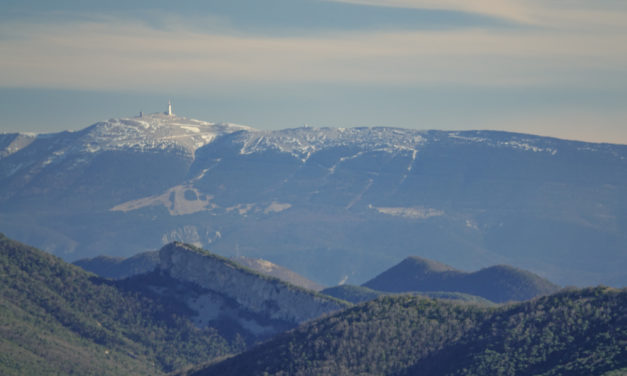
[
  {"x": 144, "y": 262},
  {"x": 499, "y": 283},
  {"x": 320, "y": 198}
]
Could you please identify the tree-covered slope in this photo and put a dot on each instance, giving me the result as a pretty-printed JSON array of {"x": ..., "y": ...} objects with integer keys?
[
  {"x": 582, "y": 332},
  {"x": 57, "y": 319},
  {"x": 498, "y": 283},
  {"x": 569, "y": 333}
]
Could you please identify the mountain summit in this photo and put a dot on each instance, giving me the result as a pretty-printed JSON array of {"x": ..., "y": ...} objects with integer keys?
[
  {"x": 154, "y": 132},
  {"x": 157, "y": 131},
  {"x": 110, "y": 159}
]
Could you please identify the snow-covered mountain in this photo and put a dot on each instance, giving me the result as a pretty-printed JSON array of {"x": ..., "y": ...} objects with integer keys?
[
  {"x": 152, "y": 132},
  {"x": 332, "y": 204},
  {"x": 148, "y": 133},
  {"x": 128, "y": 151}
]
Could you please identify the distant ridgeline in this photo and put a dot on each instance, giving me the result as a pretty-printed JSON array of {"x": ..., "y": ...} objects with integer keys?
[
  {"x": 119, "y": 267},
  {"x": 414, "y": 275},
  {"x": 499, "y": 283}
]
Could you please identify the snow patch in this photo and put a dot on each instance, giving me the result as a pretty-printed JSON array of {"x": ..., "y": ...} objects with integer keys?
[
  {"x": 188, "y": 128},
  {"x": 276, "y": 207},
  {"x": 472, "y": 224},
  {"x": 528, "y": 147},
  {"x": 467, "y": 138},
  {"x": 241, "y": 209},
  {"x": 515, "y": 142},
  {"x": 342, "y": 160},
  {"x": 150, "y": 132},
  {"x": 409, "y": 212},
  {"x": 359, "y": 196},
  {"x": 414, "y": 153},
  {"x": 265, "y": 265},
  {"x": 303, "y": 142},
  {"x": 250, "y": 208}
]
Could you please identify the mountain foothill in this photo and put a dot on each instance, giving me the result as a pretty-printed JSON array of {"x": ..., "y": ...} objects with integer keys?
[{"x": 198, "y": 313}]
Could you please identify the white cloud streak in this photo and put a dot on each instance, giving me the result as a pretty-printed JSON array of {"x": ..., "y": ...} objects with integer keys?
[
  {"x": 509, "y": 9},
  {"x": 122, "y": 54},
  {"x": 557, "y": 14}
]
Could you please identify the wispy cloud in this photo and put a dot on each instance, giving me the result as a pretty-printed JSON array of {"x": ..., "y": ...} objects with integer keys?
[
  {"x": 579, "y": 14},
  {"x": 123, "y": 54},
  {"x": 509, "y": 9}
]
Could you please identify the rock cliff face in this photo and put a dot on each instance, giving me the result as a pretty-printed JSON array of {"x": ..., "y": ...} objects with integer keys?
[
  {"x": 273, "y": 270},
  {"x": 261, "y": 295}
]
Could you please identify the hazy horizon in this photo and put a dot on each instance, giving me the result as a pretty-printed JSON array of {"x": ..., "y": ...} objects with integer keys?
[{"x": 556, "y": 70}]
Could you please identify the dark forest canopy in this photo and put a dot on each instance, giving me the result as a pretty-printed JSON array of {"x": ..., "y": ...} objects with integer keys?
[
  {"x": 578, "y": 332},
  {"x": 55, "y": 318}
]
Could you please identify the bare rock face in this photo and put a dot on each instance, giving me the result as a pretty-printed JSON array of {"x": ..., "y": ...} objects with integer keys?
[{"x": 259, "y": 294}]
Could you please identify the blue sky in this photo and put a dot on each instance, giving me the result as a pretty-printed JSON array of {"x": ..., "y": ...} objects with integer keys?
[{"x": 549, "y": 67}]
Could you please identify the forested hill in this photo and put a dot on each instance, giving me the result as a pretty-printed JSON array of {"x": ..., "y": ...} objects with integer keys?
[
  {"x": 57, "y": 319},
  {"x": 579, "y": 332}
]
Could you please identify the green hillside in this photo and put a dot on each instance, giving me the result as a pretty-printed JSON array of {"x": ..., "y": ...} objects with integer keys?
[
  {"x": 570, "y": 333},
  {"x": 56, "y": 319},
  {"x": 581, "y": 332}
]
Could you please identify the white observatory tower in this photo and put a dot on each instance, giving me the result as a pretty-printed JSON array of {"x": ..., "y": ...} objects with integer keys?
[{"x": 169, "y": 113}]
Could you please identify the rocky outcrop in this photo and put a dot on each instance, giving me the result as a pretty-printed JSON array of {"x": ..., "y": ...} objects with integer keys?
[{"x": 259, "y": 294}]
